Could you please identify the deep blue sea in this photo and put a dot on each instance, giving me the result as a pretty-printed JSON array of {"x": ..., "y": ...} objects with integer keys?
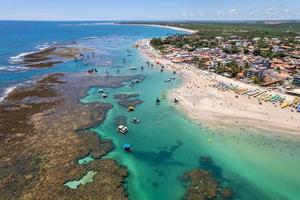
[
  {"x": 19, "y": 37},
  {"x": 257, "y": 165}
]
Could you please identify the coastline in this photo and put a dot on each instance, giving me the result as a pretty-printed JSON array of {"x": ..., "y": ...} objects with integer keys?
[
  {"x": 162, "y": 26},
  {"x": 205, "y": 104}
]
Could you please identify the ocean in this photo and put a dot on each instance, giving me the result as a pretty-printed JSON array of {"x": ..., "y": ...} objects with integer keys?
[{"x": 256, "y": 164}]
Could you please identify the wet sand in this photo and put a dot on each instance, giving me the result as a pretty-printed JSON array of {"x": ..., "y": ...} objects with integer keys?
[
  {"x": 204, "y": 103},
  {"x": 44, "y": 132}
]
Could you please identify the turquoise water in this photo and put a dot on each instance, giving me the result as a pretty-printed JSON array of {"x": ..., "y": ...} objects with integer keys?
[
  {"x": 87, "y": 178},
  {"x": 18, "y": 37},
  {"x": 86, "y": 160},
  {"x": 256, "y": 164}
]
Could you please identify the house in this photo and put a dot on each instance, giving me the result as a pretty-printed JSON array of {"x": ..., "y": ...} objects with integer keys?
[
  {"x": 256, "y": 39},
  {"x": 275, "y": 41},
  {"x": 261, "y": 63},
  {"x": 256, "y": 72}
]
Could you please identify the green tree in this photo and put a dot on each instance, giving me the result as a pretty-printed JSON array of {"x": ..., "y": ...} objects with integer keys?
[
  {"x": 200, "y": 63},
  {"x": 256, "y": 52}
]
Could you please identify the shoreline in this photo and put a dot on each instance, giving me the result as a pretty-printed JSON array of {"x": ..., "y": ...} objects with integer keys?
[
  {"x": 205, "y": 104},
  {"x": 190, "y": 31}
]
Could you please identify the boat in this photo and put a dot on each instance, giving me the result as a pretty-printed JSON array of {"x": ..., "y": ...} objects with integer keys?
[
  {"x": 133, "y": 68},
  {"x": 127, "y": 148},
  {"x": 135, "y": 120},
  {"x": 100, "y": 91},
  {"x": 122, "y": 129},
  {"x": 130, "y": 109},
  {"x": 104, "y": 95}
]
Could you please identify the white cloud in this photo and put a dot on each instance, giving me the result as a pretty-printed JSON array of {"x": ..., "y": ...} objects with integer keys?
[
  {"x": 219, "y": 12},
  {"x": 233, "y": 11}
]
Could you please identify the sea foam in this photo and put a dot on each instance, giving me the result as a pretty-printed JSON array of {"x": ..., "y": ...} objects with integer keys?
[
  {"x": 12, "y": 68},
  {"x": 7, "y": 91},
  {"x": 19, "y": 58}
]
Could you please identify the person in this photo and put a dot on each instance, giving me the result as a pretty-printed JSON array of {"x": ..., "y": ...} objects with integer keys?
[
  {"x": 95, "y": 70},
  {"x": 176, "y": 101},
  {"x": 157, "y": 101}
]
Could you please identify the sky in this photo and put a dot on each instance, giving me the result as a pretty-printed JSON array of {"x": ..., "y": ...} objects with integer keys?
[{"x": 149, "y": 9}]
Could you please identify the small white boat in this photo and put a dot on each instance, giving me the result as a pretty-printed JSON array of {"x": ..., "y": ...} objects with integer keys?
[
  {"x": 100, "y": 91},
  {"x": 104, "y": 95},
  {"x": 135, "y": 120},
  {"x": 133, "y": 68},
  {"x": 122, "y": 129}
]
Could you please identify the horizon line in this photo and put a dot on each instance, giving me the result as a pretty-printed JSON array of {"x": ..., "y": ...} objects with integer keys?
[{"x": 129, "y": 20}]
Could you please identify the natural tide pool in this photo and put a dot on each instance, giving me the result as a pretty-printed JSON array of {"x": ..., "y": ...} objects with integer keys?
[
  {"x": 87, "y": 178},
  {"x": 255, "y": 164}
]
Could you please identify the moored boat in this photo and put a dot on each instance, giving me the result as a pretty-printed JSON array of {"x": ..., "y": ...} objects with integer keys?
[
  {"x": 127, "y": 148},
  {"x": 131, "y": 108},
  {"x": 135, "y": 120},
  {"x": 122, "y": 129},
  {"x": 133, "y": 68}
]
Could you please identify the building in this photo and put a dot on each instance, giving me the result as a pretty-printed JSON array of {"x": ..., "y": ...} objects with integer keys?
[
  {"x": 296, "y": 80},
  {"x": 262, "y": 63},
  {"x": 256, "y": 72}
]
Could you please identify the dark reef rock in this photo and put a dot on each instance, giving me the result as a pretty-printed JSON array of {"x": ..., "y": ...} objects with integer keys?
[
  {"x": 125, "y": 96},
  {"x": 43, "y": 135},
  {"x": 126, "y": 103},
  {"x": 202, "y": 183},
  {"x": 121, "y": 120},
  {"x": 51, "y": 56}
]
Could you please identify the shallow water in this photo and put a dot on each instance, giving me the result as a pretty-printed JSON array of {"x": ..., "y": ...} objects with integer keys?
[
  {"x": 88, "y": 178},
  {"x": 256, "y": 164}
]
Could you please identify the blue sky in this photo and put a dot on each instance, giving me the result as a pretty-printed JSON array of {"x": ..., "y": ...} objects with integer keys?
[{"x": 149, "y": 9}]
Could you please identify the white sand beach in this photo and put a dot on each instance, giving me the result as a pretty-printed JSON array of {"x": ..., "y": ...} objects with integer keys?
[
  {"x": 206, "y": 104},
  {"x": 169, "y": 27}
]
